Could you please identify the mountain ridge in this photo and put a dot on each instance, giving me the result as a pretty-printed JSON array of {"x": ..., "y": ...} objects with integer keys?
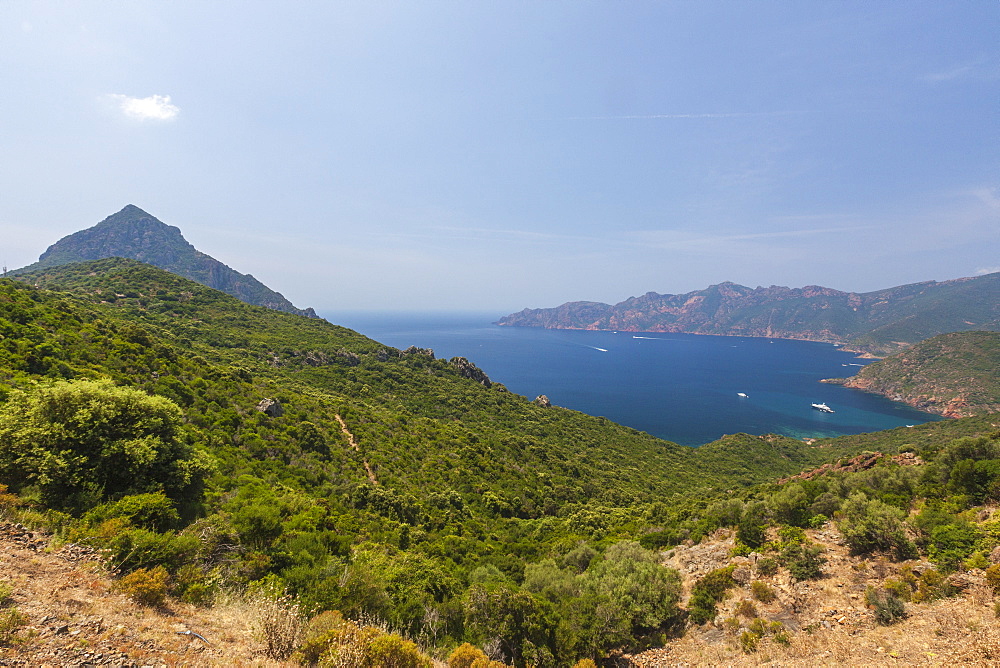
[
  {"x": 137, "y": 235},
  {"x": 878, "y": 322}
]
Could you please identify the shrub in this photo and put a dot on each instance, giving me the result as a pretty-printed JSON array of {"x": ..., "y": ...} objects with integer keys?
[
  {"x": 993, "y": 578},
  {"x": 886, "y": 607},
  {"x": 585, "y": 663},
  {"x": 952, "y": 543},
  {"x": 761, "y": 591},
  {"x": 748, "y": 641},
  {"x": 753, "y": 523},
  {"x": 276, "y": 622},
  {"x": 191, "y": 585},
  {"x": 465, "y": 655},
  {"x": 767, "y": 566},
  {"x": 804, "y": 560},
  {"x": 901, "y": 590},
  {"x": 871, "y": 525},
  {"x": 146, "y": 587},
  {"x": 931, "y": 585},
  {"x": 82, "y": 442},
  {"x": 335, "y": 642},
  {"x": 10, "y": 621},
  {"x": 746, "y": 608},
  {"x": 149, "y": 511},
  {"x": 8, "y": 502},
  {"x": 709, "y": 591}
]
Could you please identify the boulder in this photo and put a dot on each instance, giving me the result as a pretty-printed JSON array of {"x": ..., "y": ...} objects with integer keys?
[{"x": 270, "y": 407}]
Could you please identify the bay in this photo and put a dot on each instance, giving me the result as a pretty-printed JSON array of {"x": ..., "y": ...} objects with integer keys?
[{"x": 680, "y": 387}]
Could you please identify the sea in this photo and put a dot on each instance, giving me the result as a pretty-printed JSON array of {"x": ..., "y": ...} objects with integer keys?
[{"x": 686, "y": 388}]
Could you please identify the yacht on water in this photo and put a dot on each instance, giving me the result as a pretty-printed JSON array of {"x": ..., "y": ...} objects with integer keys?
[
  {"x": 741, "y": 395},
  {"x": 823, "y": 408}
]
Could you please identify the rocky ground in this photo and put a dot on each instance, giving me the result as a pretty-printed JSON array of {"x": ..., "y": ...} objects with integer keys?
[
  {"x": 71, "y": 616},
  {"x": 828, "y": 620}
]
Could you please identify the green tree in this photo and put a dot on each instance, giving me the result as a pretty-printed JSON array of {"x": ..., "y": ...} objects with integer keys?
[
  {"x": 84, "y": 442},
  {"x": 868, "y": 525}
]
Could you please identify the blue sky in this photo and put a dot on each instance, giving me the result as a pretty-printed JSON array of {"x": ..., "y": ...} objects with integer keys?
[{"x": 502, "y": 155}]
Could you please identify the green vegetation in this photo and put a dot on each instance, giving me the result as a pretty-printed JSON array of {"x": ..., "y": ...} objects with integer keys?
[
  {"x": 953, "y": 374},
  {"x": 392, "y": 486}
]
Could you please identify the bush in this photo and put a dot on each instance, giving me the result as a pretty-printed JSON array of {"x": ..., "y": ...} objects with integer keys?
[
  {"x": 767, "y": 566},
  {"x": 931, "y": 585},
  {"x": 901, "y": 590},
  {"x": 465, "y": 655},
  {"x": 886, "y": 607},
  {"x": 709, "y": 591},
  {"x": 276, "y": 622},
  {"x": 804, "y": 560},
  {"x": 335, "y": 642},
  {"x": 871, "y": 526},
  {"x": 761, "y": 591},
  {"x": 146, "y": 587},
  {"x": 746, "y": 608},
  {"x": 748, "y": 641},
  {"x": 993, "y": 578},
  {"x": 83, "y": 442},
  {"x": 10, "y": 621}
]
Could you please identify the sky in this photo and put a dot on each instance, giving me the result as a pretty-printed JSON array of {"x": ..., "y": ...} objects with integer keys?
[{"x": 487, "y": 155}]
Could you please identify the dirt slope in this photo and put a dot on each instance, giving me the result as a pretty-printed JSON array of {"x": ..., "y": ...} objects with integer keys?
[
  {"x": 828, "y": 619},
  {"x": 73, "y": 618}
]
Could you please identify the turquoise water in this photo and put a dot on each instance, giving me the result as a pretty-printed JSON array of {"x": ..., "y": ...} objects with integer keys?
[{"x": 680, "y": 387}]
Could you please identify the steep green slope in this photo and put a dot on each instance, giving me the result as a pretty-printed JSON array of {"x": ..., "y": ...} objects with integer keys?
[
  {"x": 133, "y": 233},
  {"x": 955, "y": 374},
  {"x": 389, "y": 483},
  {"x": 877, "y": 322},
  {"x": 418, "y": 418}
]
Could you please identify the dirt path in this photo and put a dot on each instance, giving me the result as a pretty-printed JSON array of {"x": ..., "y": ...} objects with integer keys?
[{"x": 354, "y": 444}]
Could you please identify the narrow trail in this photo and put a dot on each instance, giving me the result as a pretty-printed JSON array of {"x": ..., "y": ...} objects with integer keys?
[{"x": 354, "y": 444}]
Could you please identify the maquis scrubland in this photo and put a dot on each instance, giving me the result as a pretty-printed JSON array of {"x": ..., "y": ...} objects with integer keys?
[{"x": 208, "y": 445}]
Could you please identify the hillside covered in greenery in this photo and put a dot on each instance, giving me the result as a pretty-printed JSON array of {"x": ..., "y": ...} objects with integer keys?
[
  {"x": 876, "y": 322},
  {"x": 231, "y": 446},
  {"x": 955, "y": 374}
]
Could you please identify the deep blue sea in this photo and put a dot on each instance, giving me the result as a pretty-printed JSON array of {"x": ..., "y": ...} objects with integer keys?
[{"x": 680, "y": 387}]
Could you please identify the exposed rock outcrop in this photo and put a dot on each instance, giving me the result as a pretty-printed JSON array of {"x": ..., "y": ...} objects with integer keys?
[
  {"x": 467, "y": 369},
  {"x": 270, "y": 407}
]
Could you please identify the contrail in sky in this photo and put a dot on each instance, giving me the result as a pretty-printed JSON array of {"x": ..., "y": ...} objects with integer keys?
[{"x": 675, "y": 116}]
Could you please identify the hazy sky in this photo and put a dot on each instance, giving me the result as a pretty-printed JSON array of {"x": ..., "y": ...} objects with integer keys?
[{"x": 498, "y": 155}]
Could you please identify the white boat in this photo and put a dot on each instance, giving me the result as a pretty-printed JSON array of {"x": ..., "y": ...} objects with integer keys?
[
  {"x": 823, "y": 408},
  {"x": 741, "y": 395}
]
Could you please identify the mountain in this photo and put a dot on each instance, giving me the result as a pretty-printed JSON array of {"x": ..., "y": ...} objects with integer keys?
[
  {"x": 956, "y": 374},
  {"x": 877, "y": 322},
  {"x": 132, "y": 233}
]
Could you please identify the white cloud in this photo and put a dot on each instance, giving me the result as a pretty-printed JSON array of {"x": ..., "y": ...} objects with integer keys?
[
  {"x": 987, "y": 270},
  {"x": 152, "y": 108}
]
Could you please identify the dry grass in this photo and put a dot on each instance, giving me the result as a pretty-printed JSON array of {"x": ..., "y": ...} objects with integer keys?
[
  {"x": 72, "y": 615},
  {"x": 829, "y": 623}
]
